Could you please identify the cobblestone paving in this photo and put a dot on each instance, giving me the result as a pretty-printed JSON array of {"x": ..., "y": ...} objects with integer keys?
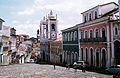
[{"x": 44, "y": 71}]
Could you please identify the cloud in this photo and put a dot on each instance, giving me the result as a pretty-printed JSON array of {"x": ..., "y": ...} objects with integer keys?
[
  {"x": 29, "y": 27},
  {"x": 69, "y": 12},
  {"x": 37, "y": 6},
  {"x": 15, "y": 22},
  {"x": 27, "y": 12}
]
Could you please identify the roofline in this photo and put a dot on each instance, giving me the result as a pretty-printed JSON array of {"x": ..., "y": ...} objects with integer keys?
[
  {"x": 76, "y": 26},
  {"x": 87, "y": 23},
  {"x": 2, "y": 20},
  {"x": 113, "y": 11},
  {"x": 109, "y": 3},
  {"x": 99, "y": 5},
  {"x": 90, "y": 9}
]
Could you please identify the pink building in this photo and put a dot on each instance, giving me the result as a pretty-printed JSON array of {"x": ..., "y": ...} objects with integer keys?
[{"x": 96, "y": 35}]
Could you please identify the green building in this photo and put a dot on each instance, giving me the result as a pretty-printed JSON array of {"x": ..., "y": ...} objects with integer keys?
[{"x": 70, "y": 45}]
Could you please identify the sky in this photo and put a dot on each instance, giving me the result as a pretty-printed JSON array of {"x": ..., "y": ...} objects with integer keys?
[{"x": 25, "y": 15}]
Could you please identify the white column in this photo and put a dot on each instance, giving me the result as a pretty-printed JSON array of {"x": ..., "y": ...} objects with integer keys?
[
  {"x": 63, "y": 56},
  {"x": 108, "y": 47},
  {"x": 112, "y": 59},
  {"x": 20, "y": 61},
  {"x": 2, "y": 59},
  {"x": 22, "y": 58},
  {"x": 79, "y": 44}
]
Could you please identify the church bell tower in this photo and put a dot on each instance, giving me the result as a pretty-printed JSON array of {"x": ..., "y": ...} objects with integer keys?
[{"x": 48, "y": 27}]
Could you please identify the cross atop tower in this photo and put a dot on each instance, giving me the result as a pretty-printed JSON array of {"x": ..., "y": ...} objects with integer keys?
[{"x": 51, "y": 13}]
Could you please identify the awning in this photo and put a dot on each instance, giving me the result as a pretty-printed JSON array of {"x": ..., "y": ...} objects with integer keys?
[{"x": 115, "y": 40}]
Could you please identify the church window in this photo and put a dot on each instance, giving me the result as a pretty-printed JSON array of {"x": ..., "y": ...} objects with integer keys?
[{"x": 53, "y": 27}]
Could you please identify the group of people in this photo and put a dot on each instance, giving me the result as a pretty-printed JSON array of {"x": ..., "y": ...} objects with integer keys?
[
  {"x": 68, "y": 66},
  {"x": 116, "y": 75},
  {"x": 74, "y": 66}
]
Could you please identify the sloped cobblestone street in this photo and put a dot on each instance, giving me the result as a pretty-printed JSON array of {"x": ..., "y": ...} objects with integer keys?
[{"x": 32, "y": 70}]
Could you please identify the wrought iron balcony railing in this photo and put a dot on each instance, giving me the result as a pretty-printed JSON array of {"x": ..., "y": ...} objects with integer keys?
[{"x": 98, "y": 39}]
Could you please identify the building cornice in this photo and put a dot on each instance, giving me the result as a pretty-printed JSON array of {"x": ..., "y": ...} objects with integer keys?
[
  {"x": 93, "y": 22},
  {"x": 2, "y": 20},
  {"x": 71, "y": 28},
  {"x": 100, "y": 6}
]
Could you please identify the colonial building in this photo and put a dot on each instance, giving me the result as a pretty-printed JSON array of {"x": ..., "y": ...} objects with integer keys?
[
  {"x": 13, "y": 39},
  {"x": 70, "y": 45},
  {"x": 115, "y": 38},
  {"x": 55, "y": 48},
  {"x": 20, "y": 38},
  {"x": 1, "y": 54},
  {"x": 96, "y": 35},
  {"x": 48, "y": 31},
  {"x": 4, "y": 43}
]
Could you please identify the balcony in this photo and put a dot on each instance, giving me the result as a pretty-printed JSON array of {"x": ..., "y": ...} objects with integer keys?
[{"x": 99, "y": 39}]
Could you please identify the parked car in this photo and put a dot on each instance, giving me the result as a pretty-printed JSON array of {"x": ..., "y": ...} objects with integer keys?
[
  {"x": 113, "y": 69},
  {"x": 32, "y": 60},
  {"x": 80, "y": 64}
]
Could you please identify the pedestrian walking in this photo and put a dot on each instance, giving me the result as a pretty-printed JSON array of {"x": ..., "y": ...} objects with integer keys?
[
  {"x": 116, "y": 75},
  {"x": 54, "y": 66},
  {"x": 75, "y": 66},
  {"x": 83, "y": 68},
  {"x": 68, "y": 66}
]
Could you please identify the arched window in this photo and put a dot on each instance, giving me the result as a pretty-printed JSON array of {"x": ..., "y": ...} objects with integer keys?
[
  {"x": 82, "y": 35},
  {"x": 75, "y": 35},
  {"x": 96, "y": 15},
  {"x": 68, "y": 37},
  {"x": 90, "y": 17},
  {"x": 71, "y": 36},
  {"x": 103, "y": 33},
  {"x": 117, "y": 52},
  {"x": 103, "y": 57},
  {"x": 91, "y": 34},
  {"x": 86, "y": 54},
  {"x": 97, "y": 56},
  {"x": 53, "y": 27},
  {"x": 91, "y": 56},
  {"x": 116, "y": 31},
  {"x": 86, "y": 34},
  {"x": 82, "y": 54},
  {"x": 63, "y": 37},
  {"x": 85, "y": 19},
  {"x": 97, "y": 33}
]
